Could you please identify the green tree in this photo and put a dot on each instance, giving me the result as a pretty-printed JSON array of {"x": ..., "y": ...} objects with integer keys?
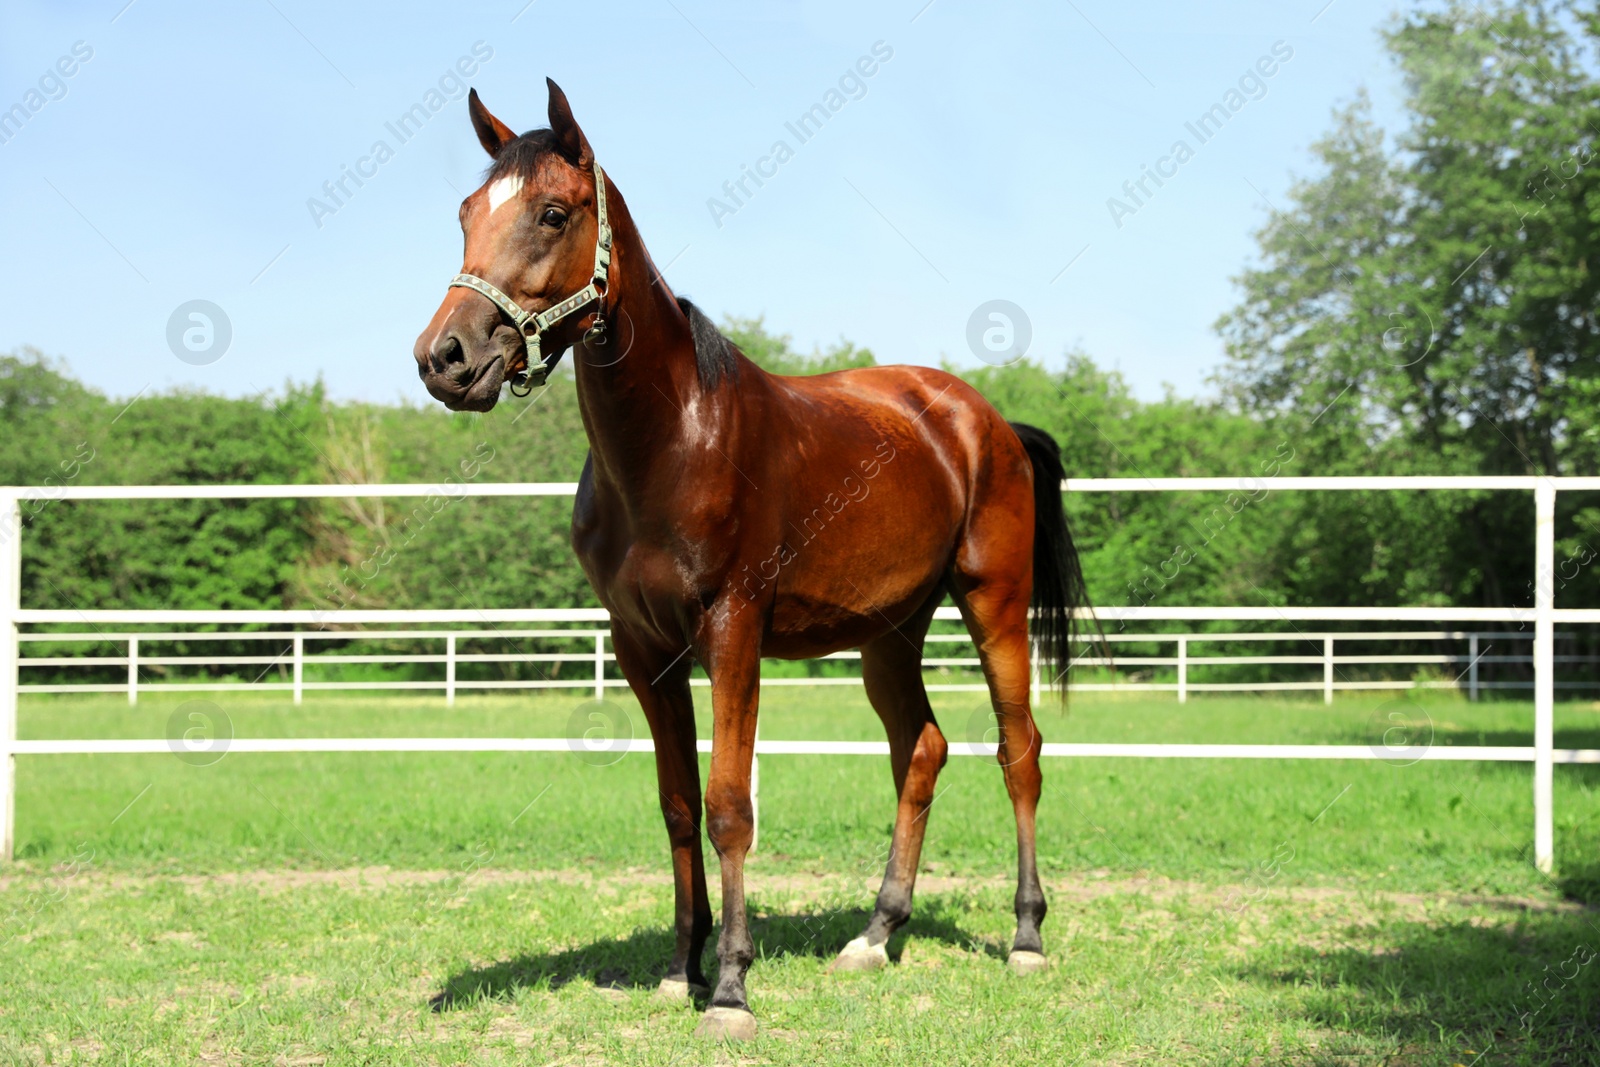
[
  {"x": 445, "y": 550},
  {"x": 775, "y": 352},
  {"x": 1433, "y": 310},
  {"x": 175, "y": 553}
]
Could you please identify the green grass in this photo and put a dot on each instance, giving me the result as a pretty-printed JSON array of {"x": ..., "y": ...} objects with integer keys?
[{"x": 467, "y": 908}]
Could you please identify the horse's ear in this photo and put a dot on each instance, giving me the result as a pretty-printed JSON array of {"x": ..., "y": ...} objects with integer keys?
[
  {"x": 574, "y": 145},
  {"x": 492, "y": 133}
]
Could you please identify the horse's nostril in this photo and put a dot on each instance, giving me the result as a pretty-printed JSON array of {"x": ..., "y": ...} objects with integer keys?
[{"x": 448, "y": 351}]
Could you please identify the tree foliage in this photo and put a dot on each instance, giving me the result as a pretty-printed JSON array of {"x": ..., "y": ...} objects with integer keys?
[
  {"x": 775, "y": 352},
  {"x": 1431, "y": 308}
]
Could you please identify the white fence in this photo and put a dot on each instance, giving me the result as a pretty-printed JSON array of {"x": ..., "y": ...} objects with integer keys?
[
  {"x": 1544, "y": 615},
  {"x": 296, "y": 653}
]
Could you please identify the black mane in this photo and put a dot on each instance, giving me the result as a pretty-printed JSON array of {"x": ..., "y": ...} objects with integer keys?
[{"x": 714, "y": 355}]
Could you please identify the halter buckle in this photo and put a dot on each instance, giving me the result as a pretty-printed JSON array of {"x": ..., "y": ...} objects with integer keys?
[{"x": 529, "y": 379}]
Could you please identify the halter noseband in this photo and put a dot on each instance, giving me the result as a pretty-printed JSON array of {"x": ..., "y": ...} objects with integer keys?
[{"x": 532, "y": 326}]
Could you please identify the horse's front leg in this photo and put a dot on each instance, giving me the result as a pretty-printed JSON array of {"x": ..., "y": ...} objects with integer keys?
[
  {"x": 733, "y": 660},
  {"x": 661, "y": 684}
]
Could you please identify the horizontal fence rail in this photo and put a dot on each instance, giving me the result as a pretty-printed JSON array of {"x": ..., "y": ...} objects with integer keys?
[
  {"x": 159, "y": 746},
  {"x": 1543, "y": 616},
  {"x": 1280, "y": 483},
  {"x": 296, "y": 655}
]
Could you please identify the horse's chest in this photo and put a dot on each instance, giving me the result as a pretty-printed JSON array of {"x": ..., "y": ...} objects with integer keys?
[{"x": 642, "y": 577}]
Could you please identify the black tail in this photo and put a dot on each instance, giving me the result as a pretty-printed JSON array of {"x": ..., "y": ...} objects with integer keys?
[{"x": 1058, "y": 586}]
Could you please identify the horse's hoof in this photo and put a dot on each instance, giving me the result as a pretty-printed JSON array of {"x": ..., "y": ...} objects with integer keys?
[
  {"x": 680, "y": 990},
  {"x": 858, "y": 955},
  {"x": 1025, "y": 962},
  {"x": 727, "y": 1024}
]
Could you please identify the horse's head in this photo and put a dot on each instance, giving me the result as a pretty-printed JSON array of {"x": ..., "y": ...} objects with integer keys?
[{"x": 533, "y": 243}]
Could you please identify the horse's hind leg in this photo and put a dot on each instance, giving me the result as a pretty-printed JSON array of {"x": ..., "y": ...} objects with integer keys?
[
  {"x": 995, "y": 609},
  {"x": 891, "y": 666}
]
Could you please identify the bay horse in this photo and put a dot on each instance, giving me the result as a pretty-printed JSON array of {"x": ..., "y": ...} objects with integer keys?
[{"x": 726, "y": 514}]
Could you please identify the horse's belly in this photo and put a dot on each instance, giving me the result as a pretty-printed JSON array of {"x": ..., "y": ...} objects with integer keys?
[
  {"x": 806, "y": 628},
  {"x": 844, "y": 583}
]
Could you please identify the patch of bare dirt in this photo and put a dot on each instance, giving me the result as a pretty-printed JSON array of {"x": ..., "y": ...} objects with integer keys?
[{"x": 801, "y": 887}]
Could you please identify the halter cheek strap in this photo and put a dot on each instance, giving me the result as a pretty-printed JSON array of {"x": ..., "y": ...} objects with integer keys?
[{"x": 532, "y": 326}]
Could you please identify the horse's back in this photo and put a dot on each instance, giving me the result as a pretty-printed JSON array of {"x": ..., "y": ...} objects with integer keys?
[
  {"x": 882, "y": 469},
  {"x": 941, "y": 412}
]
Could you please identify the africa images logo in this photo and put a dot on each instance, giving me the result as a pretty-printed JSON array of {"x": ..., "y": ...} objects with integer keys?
[
  {"x": 1252, "y": 85},
  {"x": 851, "y": 85},
  {"x": 52, "y": 85},
  {"x": 337, "y": 192}
]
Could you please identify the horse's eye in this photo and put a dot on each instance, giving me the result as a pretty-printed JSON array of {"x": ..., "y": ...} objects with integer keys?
[{"x": 552, "y": 218}]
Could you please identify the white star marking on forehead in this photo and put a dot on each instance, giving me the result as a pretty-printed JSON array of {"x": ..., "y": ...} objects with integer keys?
[{"x": 502, "y": 190}]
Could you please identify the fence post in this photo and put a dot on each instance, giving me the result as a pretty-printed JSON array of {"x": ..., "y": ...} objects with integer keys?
[
  {"x": 1327, "y": 670},
  {"x": 133, "y": 671},
  {"x": 755, "y": 791},
  {"x": 1183, "y": 670},
  {"x": 299, "y": 667},
  {"x": 1544, "y": 597},
  {"x": 600, "y": 665},
  {"x": 1472, "y": 668},
  {"x": 1033, "y": 664},
  {"x": 450, "y": 671},
  {"x": 10, "y": 604}
]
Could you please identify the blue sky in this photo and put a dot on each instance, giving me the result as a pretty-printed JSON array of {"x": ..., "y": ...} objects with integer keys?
[{"x": 177, "y": 162}]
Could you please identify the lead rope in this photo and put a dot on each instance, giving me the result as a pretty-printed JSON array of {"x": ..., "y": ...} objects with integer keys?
[{"x": 532, "y": 326}]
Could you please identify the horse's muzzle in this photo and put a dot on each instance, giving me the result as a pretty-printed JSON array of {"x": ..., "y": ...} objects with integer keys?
[
  {"x": 461, "y": 388},
  {"x": 456, "y": 380}
]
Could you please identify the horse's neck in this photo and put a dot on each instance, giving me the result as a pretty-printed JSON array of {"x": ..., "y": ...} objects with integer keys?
[{"x": 639, "y": 393}]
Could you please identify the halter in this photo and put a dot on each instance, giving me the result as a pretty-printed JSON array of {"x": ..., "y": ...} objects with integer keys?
[{"x": 532, "y": 326}]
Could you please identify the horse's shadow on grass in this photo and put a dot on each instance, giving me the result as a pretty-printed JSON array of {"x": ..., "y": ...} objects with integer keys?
[
  {"x": 639, "y": 960},
  {"x": 1529, "y": 990}
]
